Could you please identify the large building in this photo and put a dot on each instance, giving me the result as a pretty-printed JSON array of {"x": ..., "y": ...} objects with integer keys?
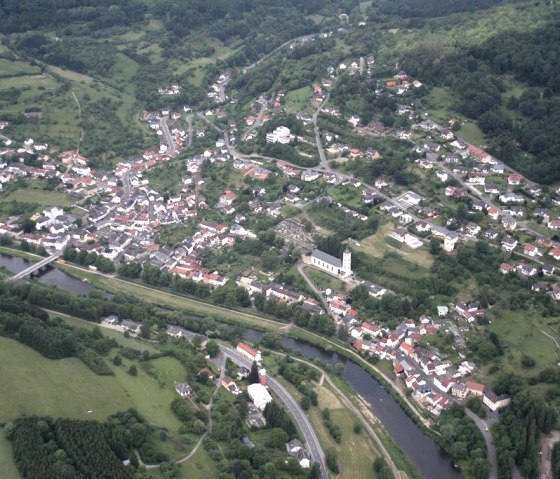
[
  {"x": 280, "y": 135},
  {"x": 331, "y": 264},
  {"x": 259, "y": 395}
]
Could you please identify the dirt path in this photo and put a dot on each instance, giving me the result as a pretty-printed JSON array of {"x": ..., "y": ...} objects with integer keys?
[{"x": 79, "y": 121}]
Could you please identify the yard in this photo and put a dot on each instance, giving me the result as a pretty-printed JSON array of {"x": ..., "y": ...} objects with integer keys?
[{"x": 324, "y": 281}]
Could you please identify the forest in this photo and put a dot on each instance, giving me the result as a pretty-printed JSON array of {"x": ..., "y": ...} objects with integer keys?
[
  {"x": 49, "y": 448},
  {"x": 434, "y": 8},
  {"x": 517, "y": 124}
]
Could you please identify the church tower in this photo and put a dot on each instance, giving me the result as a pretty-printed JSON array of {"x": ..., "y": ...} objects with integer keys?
[{"x": 347, "y": 261}]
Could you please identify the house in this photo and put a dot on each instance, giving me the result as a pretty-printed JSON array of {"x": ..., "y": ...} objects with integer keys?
[
  {"x": 476, "y": 389},
  {"x": 183, "y": 389},
  {"x": 131, "y": 326},
  {"x": 230, "y": 385},
  {"x": 531, "y": 250},
  {"x": 259, "y": 395},
  {"x": 506, "y": 268},
  {"x": 249, "y": 352},
  {"x": 493, "y": 401},
  {"x": 515, "y": 179},
  {"x": 509, "y": 244},
  {"x": 511, "y": 197},
  {"x": 459, "y": 390},
  {"x": 526, "y": 270},
  {"x": 295, "y": 449},
  {"x": 548, "y": 269}
]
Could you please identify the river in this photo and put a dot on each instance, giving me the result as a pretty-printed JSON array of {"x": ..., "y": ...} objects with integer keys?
[{"x": 421, "y": 450}]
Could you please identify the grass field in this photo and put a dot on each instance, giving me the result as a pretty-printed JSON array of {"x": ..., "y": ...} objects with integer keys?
[
  {"x": 10, "y": 68},
  {"x": 355, "y": 451},
  {"x": 376, "y": 246},
  {"x": 324, "y": 281},
  {"x": 8, "y": 467},
  {"x": 200, "y": 465},
  {"x": 32, "y": 384},
  {"x": 298, "y": 100},
  {"x": 67, "y": 388},
  {"x": 347, "y": 195},
  {"x": 521, "y": 331},
  {"x": 39, "y": 197}
]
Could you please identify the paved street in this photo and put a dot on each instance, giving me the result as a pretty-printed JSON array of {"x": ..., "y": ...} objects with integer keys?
[
  {"x": 167, "y": 135},
  {"x": 484, "y": 428}
]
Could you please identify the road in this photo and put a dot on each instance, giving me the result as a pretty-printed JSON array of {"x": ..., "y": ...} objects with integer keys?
[
  {"x": 257, "y": 122},
  {"x": 484, "y": 429},
  {"x": 190, "y": 130},
  {"x": 284, "y": 45},
  {"x": 126, "y": 185},
  {"x": 301, "y": 270},
  {"x": 301, "y": 419},
  {"x": 79, "y": 122},
  {"x": 167, "y": 135},
  {"x": 323, "y": 163},
  {"x": 545, "y": 466}
]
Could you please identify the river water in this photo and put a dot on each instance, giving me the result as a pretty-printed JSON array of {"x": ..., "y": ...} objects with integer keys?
[{"x": 421, "y": 450}]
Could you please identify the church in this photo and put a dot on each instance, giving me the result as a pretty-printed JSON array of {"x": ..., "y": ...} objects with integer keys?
[{"x": 331, "y": 264}]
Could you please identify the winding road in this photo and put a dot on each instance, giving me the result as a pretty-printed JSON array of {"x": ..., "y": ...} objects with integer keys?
[{"x": 484, "y": 429}]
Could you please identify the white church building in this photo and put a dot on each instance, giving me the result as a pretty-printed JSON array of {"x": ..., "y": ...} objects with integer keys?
[{"x": 331, "y": 264}]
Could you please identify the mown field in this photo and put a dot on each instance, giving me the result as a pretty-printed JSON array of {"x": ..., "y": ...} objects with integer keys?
[
  {"x": 38, "y": 197},
  {"x": 355, "y": 452},
  {"x": 7, "y": 465},
  {"x": 33, "y": 384}
]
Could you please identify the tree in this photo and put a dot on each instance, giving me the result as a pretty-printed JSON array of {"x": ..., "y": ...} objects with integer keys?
[
  {"x": 133, "y": 371},
  {"x": 146, "y": 330},
  {"x": 253, "y": 377},
  {"x": 117, "y": 360},
  {"x": 305, "y": 403},
  {"x": 332, "y": 460},
  {"x": 212, "y": 348},
  {"x": 315, "y": 472}
]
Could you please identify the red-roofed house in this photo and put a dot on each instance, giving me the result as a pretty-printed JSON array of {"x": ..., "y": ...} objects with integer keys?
[
  {"x": 249, "y": 352},
  {"x": 515, "y": 179},
  {"x": 475, "y": 389},
  {"x": 479, "y": 154},
  {"x": 493, "y": 213},
  {"x": 506, "y": 268}
]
